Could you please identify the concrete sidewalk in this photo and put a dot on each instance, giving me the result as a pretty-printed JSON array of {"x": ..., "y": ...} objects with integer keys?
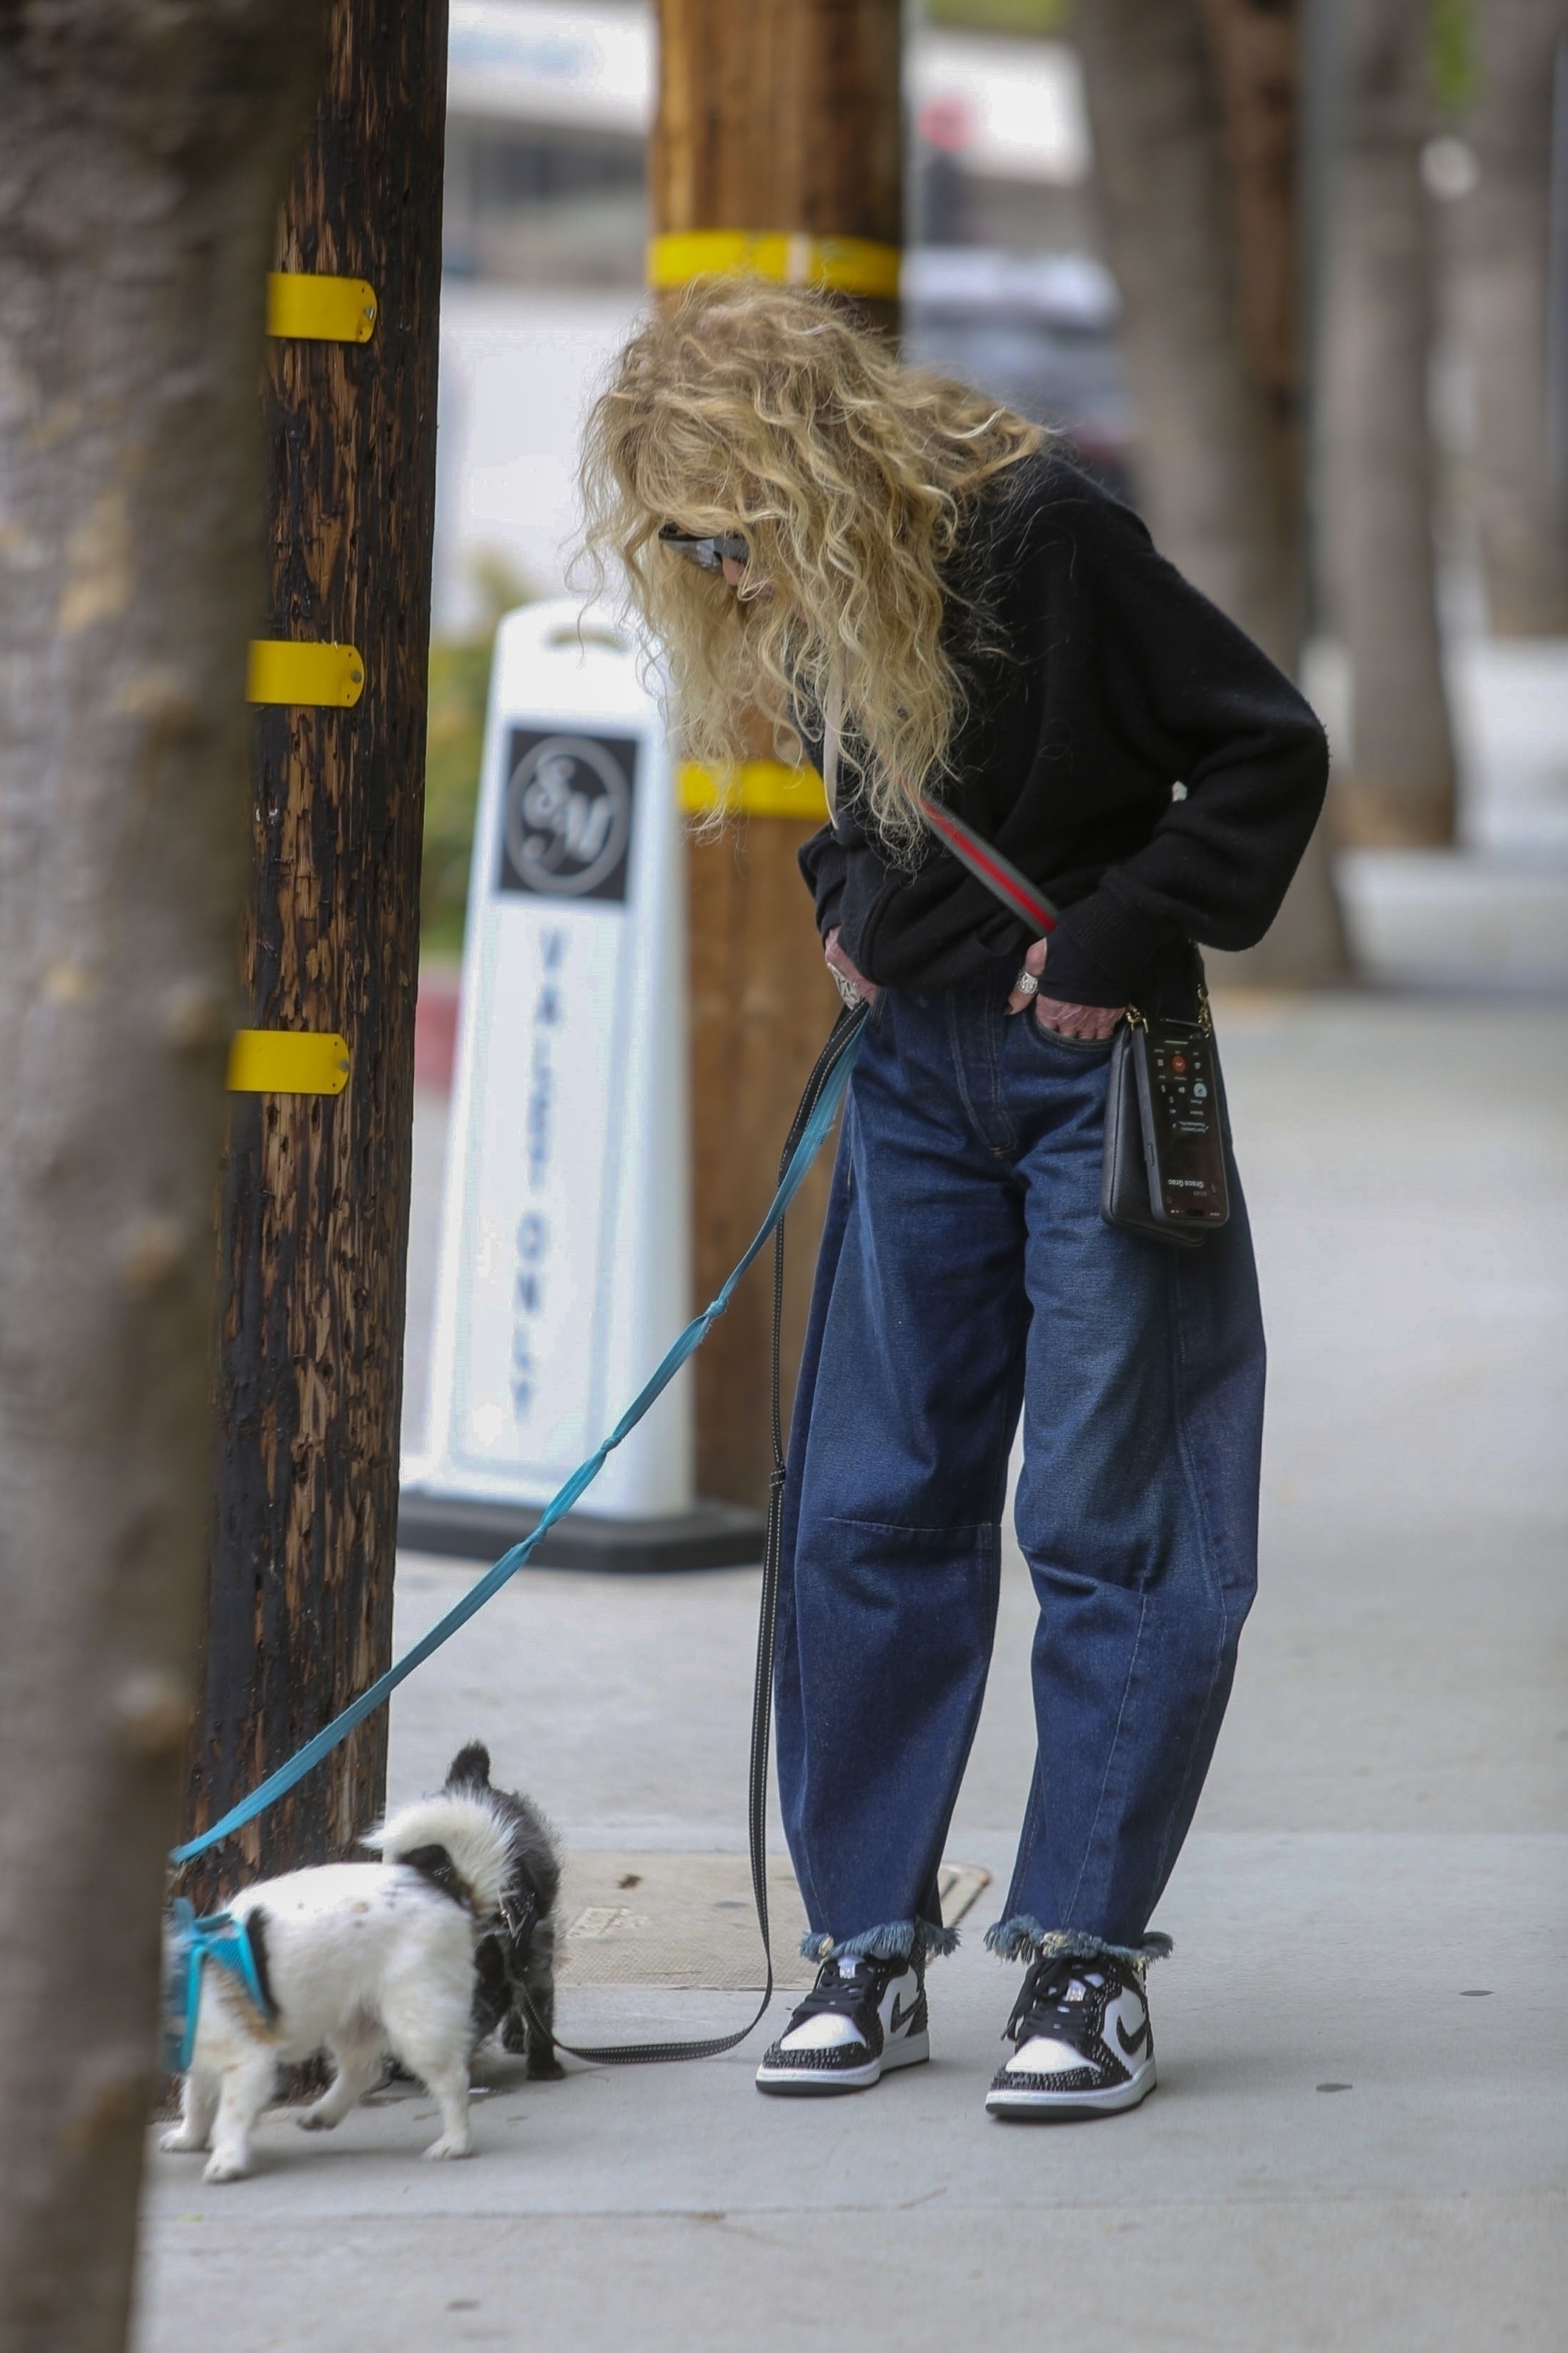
[{"x": 1373, "y": 1898}]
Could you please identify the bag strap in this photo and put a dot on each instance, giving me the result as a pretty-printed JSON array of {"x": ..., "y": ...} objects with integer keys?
[
  {"x": 972, "y": 850},
  {"x": 843, "y": 1036},
  {"x": 987, "y": 865}
]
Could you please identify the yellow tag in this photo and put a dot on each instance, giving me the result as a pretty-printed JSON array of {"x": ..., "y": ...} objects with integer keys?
[
  {"x": 757, "y": 788},
  {"x": 850, "y": 264},
  {"x": 283, "y": 670},
  {"x": 287, "y": 1063},
  {"x": 320, "y": 309}
]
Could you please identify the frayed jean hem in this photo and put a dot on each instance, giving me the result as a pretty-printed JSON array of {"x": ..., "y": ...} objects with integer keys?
[
  {"x": 1022, "y": 1938},
  {"x": 895, "y": 1940}
]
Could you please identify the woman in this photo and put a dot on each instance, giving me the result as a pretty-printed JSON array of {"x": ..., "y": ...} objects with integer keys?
[{"x": 916, "y": 586}]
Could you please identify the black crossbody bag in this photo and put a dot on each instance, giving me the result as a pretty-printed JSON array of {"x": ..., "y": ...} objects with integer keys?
[{"x": 1164, "y": 1172}]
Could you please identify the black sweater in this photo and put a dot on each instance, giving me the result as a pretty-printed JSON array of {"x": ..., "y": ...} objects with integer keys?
[{"x": 1105, "y": 681}]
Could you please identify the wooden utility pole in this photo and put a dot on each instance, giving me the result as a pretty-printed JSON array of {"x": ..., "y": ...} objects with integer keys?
[
  {"x": 315, "y": 1214},
  {"x": 778, "y": 118}
]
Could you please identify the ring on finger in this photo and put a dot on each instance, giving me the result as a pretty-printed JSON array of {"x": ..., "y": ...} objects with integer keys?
[{"x": 1025, "y": 984}]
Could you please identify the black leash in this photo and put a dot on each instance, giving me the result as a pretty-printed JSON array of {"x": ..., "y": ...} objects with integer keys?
[{"x": 846, "y": 1029}]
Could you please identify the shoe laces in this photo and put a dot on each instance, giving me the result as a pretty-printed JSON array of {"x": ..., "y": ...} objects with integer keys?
[
  {"x": 846, "y": 1993},
  {"x": 1055, "y": 1999}
]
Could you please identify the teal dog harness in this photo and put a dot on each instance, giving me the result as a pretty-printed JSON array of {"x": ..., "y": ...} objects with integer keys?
[{"x": 188, "y": 1942}]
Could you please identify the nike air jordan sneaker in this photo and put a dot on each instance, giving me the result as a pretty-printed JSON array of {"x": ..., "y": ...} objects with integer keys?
[
  {"x": 1083, "y": 2044},
  {"x": 862, "y": 2017}
]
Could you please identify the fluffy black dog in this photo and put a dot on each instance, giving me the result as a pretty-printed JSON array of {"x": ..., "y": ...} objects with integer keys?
[{"x": 516, "y": 1951}]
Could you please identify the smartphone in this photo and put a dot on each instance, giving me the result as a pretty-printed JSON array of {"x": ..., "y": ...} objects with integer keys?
[{"x": 1183, "y": 1104}]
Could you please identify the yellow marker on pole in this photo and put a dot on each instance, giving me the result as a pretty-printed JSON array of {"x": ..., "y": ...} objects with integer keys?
[
  {"x": 849, "y": 265},
  {"x": 309, "y": 309},
  {"x": 287, "y": 1063},
  {"x": 756, "y": 788},
  {"x": 283, "y": 670}
]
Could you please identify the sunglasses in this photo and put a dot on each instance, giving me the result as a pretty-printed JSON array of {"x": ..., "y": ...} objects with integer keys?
[{"x": 708, "y": 549}]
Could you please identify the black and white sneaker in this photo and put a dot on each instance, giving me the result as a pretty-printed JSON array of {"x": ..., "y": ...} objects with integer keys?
[
  {"x": 862, "y": 2017},
  {"x": 1084, "y": 2044}
]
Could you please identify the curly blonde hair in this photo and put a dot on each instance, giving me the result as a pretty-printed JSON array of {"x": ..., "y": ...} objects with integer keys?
[{"x": 763, "y": 411}]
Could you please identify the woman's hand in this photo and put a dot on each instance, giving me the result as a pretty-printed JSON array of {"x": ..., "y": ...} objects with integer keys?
[
  {"x": 1087, "y": 1022},
  {"x": 838, "y": 961}
]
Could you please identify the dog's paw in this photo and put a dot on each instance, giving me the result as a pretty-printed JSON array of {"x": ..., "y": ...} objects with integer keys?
[
  {"x": 225, "y": 2169},
  {"x": 314, "y": 2120},
  {"x": 547, "y": 2070},
  {"x": 451, "y": 2145},
  {"x": 177, "y": 2143}
]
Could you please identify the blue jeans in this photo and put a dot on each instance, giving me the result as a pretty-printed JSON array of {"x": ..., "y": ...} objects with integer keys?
[{"x": 965, "y": 1275}]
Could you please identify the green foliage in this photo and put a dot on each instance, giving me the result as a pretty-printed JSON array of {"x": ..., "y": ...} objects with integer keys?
[
  {"x": 1456, "y": 60},
  {"x": 459, "y": 687},
  {"x": 1000, "y": 15}
]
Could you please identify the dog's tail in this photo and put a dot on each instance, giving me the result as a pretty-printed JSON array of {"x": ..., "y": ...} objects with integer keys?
[
  {"x": 469, "y": 1769},
  {"x": 457, "y": 1841}
]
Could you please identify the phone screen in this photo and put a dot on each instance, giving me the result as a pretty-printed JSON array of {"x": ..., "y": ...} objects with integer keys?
[{"x": 1187, "y": 1118}]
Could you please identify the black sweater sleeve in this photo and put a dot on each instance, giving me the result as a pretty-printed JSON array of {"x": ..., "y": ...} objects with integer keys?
[
  {"x": 824, "y": 861},
  {"x": 1184, "y": 686}
]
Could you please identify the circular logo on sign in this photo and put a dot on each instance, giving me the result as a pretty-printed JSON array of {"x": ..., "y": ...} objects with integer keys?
[{"x": 567, "y": 815}]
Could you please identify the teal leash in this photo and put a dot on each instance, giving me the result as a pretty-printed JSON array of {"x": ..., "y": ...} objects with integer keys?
[{"x": 818, "y": 1109}]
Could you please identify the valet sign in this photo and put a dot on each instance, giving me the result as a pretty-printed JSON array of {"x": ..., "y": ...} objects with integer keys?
[{"x": 565, "y": 1262}]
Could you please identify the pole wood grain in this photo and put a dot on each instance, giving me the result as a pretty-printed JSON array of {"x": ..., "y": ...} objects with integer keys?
[
  {"x": 314, "y": 1212},
  {"x": 784, "y": 115}
]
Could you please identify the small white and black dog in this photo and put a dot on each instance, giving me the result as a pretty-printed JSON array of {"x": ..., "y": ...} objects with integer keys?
[
  {"x": 363, "y": 1961},
  {"x": 514, "y": 1989}
]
